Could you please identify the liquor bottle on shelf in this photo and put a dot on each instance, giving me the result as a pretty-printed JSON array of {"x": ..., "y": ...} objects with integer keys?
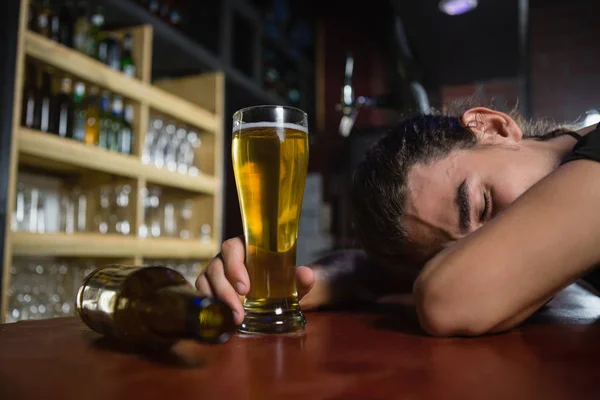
[
  {"x": 62, "y": 115},
  {"x": 127, "y": 64},
  {"x": 81, "y": 31},
  {"x": 116, "y": 123},
  {"x": 109, "y": 52},
  {"x": 105, "y": 120},
  {"x": 44, "y": 17},
  {"x": 46, "y": 101},
  {"x": 55, "y": 28},
  {"x": 66, "y": 24},
  {"x": 79, "y": 112},
  {"x": 96, "y": 36},
  {"x": 92, "y": 125},
  {"x": 151, "y": 306},
  {"x": 126, "y": 133},
  {"x": 30, "y": 97}
]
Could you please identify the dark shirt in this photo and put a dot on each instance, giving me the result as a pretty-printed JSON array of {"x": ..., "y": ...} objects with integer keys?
[{"x": 588, "y": 148}]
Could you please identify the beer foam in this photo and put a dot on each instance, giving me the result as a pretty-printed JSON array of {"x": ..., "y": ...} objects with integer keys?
[{"x": 287, "y": 125}]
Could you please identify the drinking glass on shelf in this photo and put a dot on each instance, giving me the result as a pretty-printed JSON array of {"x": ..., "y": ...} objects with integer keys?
[
  {"x": 185, "y": 212},
  {"x": 169, "y": 220},
  {"x": 122, "y": 194},
  {"x": 103, "y": 218},
  {"x": 205, "y": 233},
  {"x": 154, "y": 212},
  {"x": 21, "y": 212},
  {"x": 194, "y": 144},
  {"x": 154, "y": 129},
  {"x": 73, "y": 211}
]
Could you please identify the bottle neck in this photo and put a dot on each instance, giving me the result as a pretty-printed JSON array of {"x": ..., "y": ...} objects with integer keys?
[{"x": 177, "y": 312}]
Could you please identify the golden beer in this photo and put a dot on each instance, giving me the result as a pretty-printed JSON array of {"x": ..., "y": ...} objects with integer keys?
[{"x": 270, "y": 162}]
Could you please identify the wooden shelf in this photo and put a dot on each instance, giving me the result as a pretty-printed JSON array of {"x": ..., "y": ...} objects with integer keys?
[
  {"x": 111, "y": 246},
  {"x": 93, "y": 71},
  {"x": 70, "y": 152}
]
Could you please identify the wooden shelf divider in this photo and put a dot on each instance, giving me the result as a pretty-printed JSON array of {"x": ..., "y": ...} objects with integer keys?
[
  {"x": 94, "y": 71},
  {"x": 111, "y": 246},
  {"x": 70, "y": 152}
]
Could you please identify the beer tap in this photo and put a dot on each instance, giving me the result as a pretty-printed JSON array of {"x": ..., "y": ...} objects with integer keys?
[
  {"x": 348, "y": 105},
  {"x": 407, "y": 93}
]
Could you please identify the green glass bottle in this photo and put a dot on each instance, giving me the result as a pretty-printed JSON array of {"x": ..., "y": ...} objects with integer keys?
[
  {"x": 151, "y": 306},
  {"x": 127, "y": 64}
]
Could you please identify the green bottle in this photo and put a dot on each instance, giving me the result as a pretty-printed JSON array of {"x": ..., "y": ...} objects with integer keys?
[
  {"x": 127, "y": 64},
  {"x": 96, "y": 35}
]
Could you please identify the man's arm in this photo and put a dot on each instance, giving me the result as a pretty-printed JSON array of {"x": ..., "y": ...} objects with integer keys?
[{"x": 499, "y": 275}]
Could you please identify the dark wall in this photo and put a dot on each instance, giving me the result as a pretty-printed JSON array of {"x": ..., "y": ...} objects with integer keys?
[{"x": 565, "y": 69}]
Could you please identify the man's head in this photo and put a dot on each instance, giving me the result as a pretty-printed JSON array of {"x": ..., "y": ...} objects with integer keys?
[{"x": 435, "y": 179}]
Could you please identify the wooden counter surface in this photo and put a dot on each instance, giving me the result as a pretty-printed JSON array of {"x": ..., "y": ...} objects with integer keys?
[{"x": 376, "y": 354}]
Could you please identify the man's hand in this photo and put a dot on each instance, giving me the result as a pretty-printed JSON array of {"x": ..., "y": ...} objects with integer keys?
[{"x": 226, "y": 277}]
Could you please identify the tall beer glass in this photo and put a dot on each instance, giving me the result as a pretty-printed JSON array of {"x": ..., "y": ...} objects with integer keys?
[{"x": 270, "y": 161}]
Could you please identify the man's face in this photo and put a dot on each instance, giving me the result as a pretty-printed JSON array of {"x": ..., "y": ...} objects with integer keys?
[{"x": 452, "y": 197}]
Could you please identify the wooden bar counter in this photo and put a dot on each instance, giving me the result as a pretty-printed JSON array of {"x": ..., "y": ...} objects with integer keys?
[{"x": 367, "y": 354}]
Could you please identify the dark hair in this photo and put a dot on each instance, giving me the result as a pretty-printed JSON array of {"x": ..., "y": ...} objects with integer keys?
[{"x": 379, "y": 187}]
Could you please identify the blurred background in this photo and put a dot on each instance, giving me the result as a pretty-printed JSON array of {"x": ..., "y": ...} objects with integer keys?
[{"x": 116, "y": 114}]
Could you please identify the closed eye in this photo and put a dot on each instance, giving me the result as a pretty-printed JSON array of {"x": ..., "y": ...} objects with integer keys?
[{"x": 486, "y": 206}]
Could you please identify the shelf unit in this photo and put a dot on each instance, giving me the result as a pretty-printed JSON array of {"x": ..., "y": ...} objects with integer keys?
[{"x": 200, "y": 107}]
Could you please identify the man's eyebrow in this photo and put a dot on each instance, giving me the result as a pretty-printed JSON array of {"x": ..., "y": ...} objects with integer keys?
[{"x": 464, "y": 207}]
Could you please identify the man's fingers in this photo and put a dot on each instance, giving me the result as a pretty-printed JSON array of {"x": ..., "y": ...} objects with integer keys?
[
  {"x": 305, "y": 278},
  {"x": 223, "y": 290},
  {"x": 234, "y": 253},
  {"x": 312, "y": 287},
  {"x": 203, "y": 286}
]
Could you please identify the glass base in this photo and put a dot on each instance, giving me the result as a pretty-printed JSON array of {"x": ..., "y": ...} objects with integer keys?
[{"x": 273, "y": 319}]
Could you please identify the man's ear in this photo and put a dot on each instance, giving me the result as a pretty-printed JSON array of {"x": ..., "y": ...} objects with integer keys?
[{"x": 491, "y": 126}]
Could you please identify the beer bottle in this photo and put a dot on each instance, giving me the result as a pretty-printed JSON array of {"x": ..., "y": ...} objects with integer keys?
[
  {"x": 62, "y": 115},
  {"x": 151, "y": 305},
  {"x": 46, "y": 101},
  {"x": 79, "y": 112},
  {"x": 127, "y": 64},
  {"x": 30, "y": 97},
  {"x": 66, "y": 24},
  {"x": 44, "y": 18},
  {"x": 92, "y": 125},
  {"x": 105, "y": 120},
  {"x": 81, "y": 31},
  {"x": 126, "y": 134}
]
